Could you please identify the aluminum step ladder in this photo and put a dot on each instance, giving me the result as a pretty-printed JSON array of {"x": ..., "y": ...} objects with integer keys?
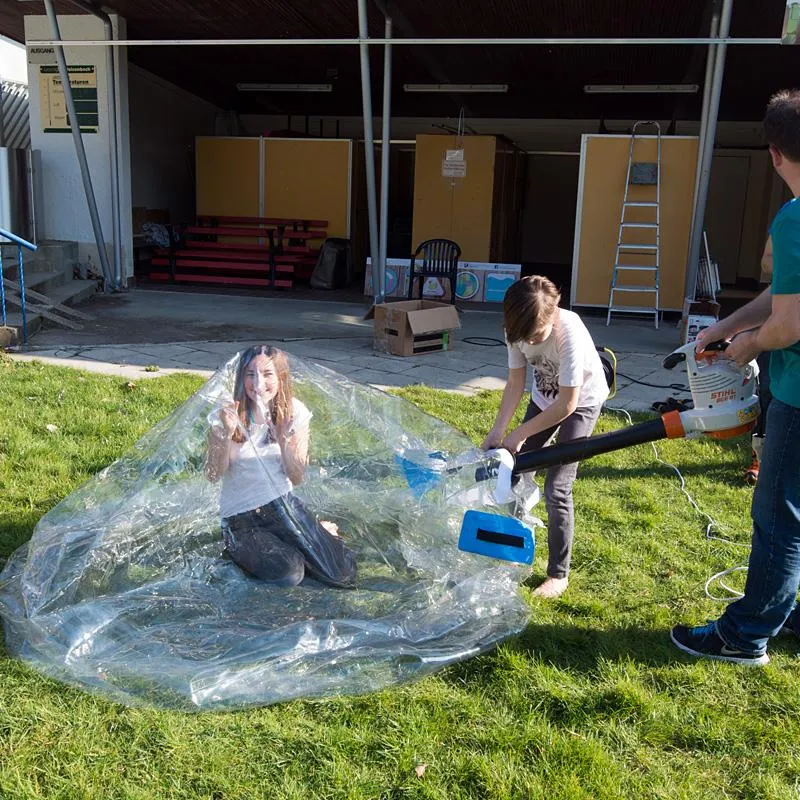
[{"x": 645, "y": 273}]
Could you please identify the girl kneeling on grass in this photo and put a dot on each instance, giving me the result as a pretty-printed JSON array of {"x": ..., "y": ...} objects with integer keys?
[
  {"x": 259, "y": 449},
  {"x": 567, "y": 394}
]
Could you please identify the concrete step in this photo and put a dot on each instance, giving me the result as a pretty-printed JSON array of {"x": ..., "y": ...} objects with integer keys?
[
  {"x": 70, "y": 293},
  {"x": 51, "y": 255},
  {"x": 43, "y": 282}
]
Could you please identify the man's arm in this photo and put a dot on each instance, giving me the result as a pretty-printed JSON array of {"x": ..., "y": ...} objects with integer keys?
[
  {"x": 782, "y": 328},
  {"x": 755, "y": 313}
]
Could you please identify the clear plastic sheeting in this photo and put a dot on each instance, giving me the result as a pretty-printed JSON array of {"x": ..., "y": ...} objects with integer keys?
[{"x": 127, "y": 589}]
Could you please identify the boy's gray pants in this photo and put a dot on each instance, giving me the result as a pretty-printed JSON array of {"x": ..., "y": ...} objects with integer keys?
[{"x": 558, "y": 484}]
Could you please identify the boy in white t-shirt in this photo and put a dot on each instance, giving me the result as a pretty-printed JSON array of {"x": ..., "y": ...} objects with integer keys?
[{"x": 568, "y": 391}]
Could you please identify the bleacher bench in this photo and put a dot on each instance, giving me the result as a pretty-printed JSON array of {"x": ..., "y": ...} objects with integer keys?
[{"x": 274, "y": 253}]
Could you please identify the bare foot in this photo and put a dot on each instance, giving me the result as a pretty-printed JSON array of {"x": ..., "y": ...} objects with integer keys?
[
  {"x": 551, "y": 588},
  {"x": 331, "y": 527}
]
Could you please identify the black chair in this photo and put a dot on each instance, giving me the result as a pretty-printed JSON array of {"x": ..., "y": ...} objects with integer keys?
[{"x": 438, "y": 258}]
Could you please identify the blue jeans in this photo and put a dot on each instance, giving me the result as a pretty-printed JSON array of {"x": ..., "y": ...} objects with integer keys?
[{"x": 773, "y": 574}]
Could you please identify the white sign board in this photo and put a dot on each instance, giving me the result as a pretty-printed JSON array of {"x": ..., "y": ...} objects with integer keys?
[{"x": 454, "y": 169}]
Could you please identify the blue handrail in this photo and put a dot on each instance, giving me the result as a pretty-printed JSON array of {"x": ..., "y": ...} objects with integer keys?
[
  {"x": 18, "y": 240},
  {"x": 20, "y": 243}
]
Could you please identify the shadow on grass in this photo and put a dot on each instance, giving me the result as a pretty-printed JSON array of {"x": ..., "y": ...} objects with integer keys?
[
  {"x": 573, "y": 649},
  {"x": 580, "y": 649},
  {"x": 718, "y": 471},
  {"x": 16, "y": 531}
]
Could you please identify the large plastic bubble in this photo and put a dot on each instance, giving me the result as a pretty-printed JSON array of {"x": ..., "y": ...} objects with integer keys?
[{"x": 127, "y": 588}]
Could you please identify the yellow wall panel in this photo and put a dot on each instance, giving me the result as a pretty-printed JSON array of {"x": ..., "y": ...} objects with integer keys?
[
  {"x": 309, "y": 179},
  {"x": 605, "y": 160},
  {"x": 227, "y": 176},
  {"x": 455, "y": 208}
]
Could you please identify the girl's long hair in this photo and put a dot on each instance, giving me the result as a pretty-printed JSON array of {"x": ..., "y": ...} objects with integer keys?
[{"x": 281, "y": 407}]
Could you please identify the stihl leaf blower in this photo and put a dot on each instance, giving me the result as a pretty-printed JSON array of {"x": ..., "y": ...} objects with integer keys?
[{"x": 725, "y": 405}]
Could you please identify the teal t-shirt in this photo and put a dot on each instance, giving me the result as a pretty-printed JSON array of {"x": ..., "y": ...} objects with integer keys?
[{"x": 784, "y": 365}]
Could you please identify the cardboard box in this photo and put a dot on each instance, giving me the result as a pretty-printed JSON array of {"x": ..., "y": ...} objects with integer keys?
[
  {"x": 413, "y": 327},
  {"x": 697, "y": 315}
]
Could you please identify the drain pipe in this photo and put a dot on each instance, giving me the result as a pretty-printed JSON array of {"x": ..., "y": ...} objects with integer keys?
[
  {"x": 80, "y": 151},
  {"x": 385, "y": 148},
  {"x": 369, "y": 152}
]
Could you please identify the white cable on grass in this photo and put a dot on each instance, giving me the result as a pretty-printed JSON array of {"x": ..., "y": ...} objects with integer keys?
[{"x": 712, "y": 526}]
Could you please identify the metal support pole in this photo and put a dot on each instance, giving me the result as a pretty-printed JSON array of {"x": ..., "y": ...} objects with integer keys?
[
  {"x": 112, "y": 64},
  {"x": 709, "y": 79},
  {"x": 369, "y": 151},
  {"x": 80, "y": 151},
  {"x": 385, "y": 148},
  {"x": 112, "y": 67},
  {"x": 707, "y": 152},
  {"x": 416, "y": 41}
]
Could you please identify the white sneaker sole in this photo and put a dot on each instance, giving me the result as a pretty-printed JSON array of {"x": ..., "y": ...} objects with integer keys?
[{"x": 746, "y": 662}]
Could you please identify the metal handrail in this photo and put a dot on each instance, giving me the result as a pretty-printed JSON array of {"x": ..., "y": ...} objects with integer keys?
[
  {"x": 20, "y": 243},
  {"x": 18, "y": 240}
]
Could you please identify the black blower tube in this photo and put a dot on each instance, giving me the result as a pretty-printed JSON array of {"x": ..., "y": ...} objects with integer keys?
[{"x": 579, "y": 449}]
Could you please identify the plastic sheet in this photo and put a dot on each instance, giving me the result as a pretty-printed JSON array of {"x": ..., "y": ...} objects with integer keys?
[{"x": 126, "y": 588}]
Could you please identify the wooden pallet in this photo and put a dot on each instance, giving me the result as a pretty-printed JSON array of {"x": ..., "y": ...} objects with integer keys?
[{"x": 41, "y": 304}]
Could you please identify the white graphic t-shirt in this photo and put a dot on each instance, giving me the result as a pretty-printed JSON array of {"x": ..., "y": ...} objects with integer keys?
[
  {"x": 566, "y": 358},
  {"x": 255, "y": 475}
]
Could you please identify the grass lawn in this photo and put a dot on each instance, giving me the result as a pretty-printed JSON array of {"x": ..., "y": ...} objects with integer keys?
[{"x": 592, "y": 701}]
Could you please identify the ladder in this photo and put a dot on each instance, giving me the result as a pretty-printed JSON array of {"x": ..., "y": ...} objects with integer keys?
[{"x": 645, "y": 275}]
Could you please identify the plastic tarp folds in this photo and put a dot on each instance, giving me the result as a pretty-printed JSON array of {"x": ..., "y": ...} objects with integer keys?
[{"x": 127, "y": 589}]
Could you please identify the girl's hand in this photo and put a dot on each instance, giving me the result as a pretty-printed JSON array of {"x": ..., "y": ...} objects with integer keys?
[
  {"x": 284, "y": 431},
  {"x": 229, "y": 417}
]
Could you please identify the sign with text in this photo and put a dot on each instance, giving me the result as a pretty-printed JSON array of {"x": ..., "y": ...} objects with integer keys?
[
  {"x": 791, "y": 22},
  {"x": 83, "y": 81},
  {"x": 41, "y": 55},
  {"x": 454, "y": 169}
]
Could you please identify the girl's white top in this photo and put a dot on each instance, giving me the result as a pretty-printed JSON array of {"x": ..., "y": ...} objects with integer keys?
[
  {"x": 255, "y": 475},
  {"x": 567, "y": 357}
]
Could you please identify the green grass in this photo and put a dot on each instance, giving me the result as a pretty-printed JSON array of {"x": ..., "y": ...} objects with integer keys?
[{"x": 591, "y": 701}]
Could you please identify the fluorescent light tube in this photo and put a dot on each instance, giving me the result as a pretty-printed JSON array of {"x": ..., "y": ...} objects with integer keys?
[
  {"x": 284, "y": 87},
  {"x": 642, "y": 88},
  {"x": 456, "y": 88}
]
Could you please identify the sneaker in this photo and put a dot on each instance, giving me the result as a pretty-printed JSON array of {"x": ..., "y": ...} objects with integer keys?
[{"x": 704, "y": 642}]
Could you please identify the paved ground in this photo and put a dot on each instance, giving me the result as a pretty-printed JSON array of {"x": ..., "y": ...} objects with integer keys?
[{"x": 185, "y": 331}]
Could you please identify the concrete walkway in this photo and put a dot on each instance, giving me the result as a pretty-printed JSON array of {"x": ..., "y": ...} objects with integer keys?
[{"x": 196, "y": 332}]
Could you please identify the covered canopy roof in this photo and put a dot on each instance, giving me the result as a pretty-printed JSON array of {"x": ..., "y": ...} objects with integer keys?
[{"x": 543, "y": 81}]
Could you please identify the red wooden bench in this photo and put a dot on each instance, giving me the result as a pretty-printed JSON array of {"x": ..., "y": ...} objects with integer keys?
[
  {"x": 294, "y": 236},
  {"x": 205, "y": 259},
  {"x": 277, "y": 251}
]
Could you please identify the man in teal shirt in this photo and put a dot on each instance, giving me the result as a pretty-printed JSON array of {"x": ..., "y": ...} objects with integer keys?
[{"x": 771, "y": 323}]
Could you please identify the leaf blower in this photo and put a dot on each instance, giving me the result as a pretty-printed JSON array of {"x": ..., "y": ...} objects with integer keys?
[{"x": 725, "y": 403}]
